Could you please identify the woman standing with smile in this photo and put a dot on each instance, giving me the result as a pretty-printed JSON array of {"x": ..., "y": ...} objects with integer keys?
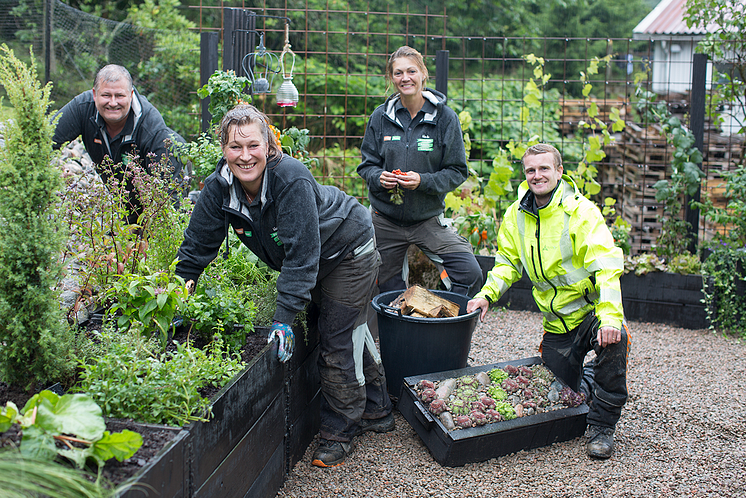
[
  {"x": 412, "y": 156},
  {"x": 321, "y": 241}
]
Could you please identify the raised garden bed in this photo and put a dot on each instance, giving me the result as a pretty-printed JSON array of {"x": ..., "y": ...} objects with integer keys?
[
  {"x": 659, "y": 297},
  {"x": 262, "y": 423}
]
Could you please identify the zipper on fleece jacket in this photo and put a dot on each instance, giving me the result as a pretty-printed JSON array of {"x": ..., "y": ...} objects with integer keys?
[{"x": 536, "y": 253}]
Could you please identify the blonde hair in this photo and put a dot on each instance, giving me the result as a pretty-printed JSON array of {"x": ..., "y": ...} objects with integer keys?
[
  {"x": 537, "y": 149},
  {"x": 244, "y": 114},
  {"x": 413, "y": 54}
]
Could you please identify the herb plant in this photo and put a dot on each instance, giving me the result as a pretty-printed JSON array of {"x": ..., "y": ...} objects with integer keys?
[
  {"x": 147, "y": 302},
  {"x": 225, "y": 90},
  {"x": 135, "y": 379},
  {"x": 100, "y": 237},
  {"x": 227, "y": 312}
]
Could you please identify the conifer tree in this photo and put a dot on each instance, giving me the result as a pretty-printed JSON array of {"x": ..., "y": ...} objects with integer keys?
[{"x": 32, "y": 325}]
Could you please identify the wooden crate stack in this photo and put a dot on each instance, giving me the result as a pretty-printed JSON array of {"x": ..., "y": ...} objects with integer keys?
[
  {"x": 639, "y": 158},
  {"x": 576, "y": 110},
  {"x": 721, "y": 153},
  {"x": 634, "y": 162}
]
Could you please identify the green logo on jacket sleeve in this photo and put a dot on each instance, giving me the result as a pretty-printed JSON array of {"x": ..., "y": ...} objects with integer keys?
[
  {"x": 425, "y": 144},
  {"x": 276, "y": 238}
]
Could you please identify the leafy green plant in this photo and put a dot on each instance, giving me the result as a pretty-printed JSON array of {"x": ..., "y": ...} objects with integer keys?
[
  {"x": 33, "y": 331},
  {"x": 75, "y": 422},
  {"x": 476, "y": 207},
  {"x": 644, "y": 263},
  {"x": 294, "y": 142},
  {"x": 135, "y": 379},
  {"x": 147, "y": 302},
  {"x": 685, "y": 264},
  {"x": 596, "y": 133},
  {"x": 204, "y": 153},
  {"x": 620, "y": 230},
  {"x": 724, "y": 291},
  {"x": 227, "y": 312},
  {"x": 243, "y": 275},
  {"x": 225, "y": 90}
]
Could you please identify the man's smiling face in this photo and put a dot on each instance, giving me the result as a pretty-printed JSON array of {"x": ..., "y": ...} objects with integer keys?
[
  {"x": 542, "y": 176},
  {"x": 113, "y": 100}
]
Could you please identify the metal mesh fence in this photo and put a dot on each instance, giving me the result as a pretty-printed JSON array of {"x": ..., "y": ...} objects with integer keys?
[
  {"x": 164, "y": 65},
  {"x": 339, "y": 67}
]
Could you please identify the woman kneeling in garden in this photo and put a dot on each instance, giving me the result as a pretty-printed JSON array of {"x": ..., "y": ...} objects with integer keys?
[{"x": 321, "y": 241}]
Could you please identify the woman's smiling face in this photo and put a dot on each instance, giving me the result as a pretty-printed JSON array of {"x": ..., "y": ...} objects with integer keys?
[
  {"x": 246, "y": 155},
  {"x": 407, "y": 76}
]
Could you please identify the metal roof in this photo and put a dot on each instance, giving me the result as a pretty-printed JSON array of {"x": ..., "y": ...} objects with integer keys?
[{"x": 667, "y": 18}]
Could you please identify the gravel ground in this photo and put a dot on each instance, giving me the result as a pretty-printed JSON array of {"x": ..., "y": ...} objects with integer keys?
[{"x": 682, "y": 431}]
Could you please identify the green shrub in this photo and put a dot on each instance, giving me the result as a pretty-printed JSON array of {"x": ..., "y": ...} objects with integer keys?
[{"x": 33, "y": 332}]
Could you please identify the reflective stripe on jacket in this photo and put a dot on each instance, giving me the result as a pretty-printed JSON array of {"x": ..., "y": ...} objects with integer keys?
[{"x": 568, "y": 253}]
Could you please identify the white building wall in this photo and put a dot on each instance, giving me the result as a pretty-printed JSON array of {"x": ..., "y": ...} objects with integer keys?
[{"x": 672, "y": 66}]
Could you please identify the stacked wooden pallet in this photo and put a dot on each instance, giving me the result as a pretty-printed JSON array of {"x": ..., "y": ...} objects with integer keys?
[
  {"x": 639, "y": 158},
  {"x": 576, "y": 110},
  {"x": 721, "y": 153}
]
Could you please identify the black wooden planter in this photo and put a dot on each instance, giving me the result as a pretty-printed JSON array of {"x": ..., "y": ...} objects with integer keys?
[
  {"x": 262, "y": 423},
  {"x": 168, "y": 473},
  {"x": 477, "y": 444},
  {"x": 664, "y": 297},
  {"x": 659, "y": 297}
]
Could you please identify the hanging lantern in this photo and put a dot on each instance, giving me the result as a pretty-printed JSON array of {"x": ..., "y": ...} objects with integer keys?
[
  {"x": 287, "y": 94},
  {"x": 261, "y": 80}
]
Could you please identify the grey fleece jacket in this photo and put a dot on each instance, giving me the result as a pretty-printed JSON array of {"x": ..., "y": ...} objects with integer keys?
[
  {"x": 295, "y": 226},
  {"x": 434, "y": 148}
]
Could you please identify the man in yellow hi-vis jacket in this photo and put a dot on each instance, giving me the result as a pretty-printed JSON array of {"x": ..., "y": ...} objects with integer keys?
[{"x": 559, "y": 238}]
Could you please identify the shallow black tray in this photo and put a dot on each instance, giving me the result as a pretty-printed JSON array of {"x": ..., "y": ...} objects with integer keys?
[{"x": 459, "y": 447}]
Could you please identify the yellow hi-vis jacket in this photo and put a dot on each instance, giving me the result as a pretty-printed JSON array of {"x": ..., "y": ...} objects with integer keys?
[{"x": 568, "y": 253}]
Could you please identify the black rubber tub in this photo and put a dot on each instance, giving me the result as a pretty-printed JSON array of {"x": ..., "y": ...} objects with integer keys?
[{"x": 414, "y": 345}]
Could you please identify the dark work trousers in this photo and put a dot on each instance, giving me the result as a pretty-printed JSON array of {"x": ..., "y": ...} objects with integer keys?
[
  {"x": 353, "y": 382},
  {"x": 452, "y": 254},
  {"x": 605, "y": 377}
]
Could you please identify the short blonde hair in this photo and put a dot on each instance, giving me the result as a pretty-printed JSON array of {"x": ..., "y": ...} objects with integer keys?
[{"x": 537, "y": 149}]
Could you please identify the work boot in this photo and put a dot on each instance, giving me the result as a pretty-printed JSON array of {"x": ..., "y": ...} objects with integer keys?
[
  {"x": 379, "y": 425},
  {"x": 331, "y": 453},
  {"x": 600, "y": 441}
]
